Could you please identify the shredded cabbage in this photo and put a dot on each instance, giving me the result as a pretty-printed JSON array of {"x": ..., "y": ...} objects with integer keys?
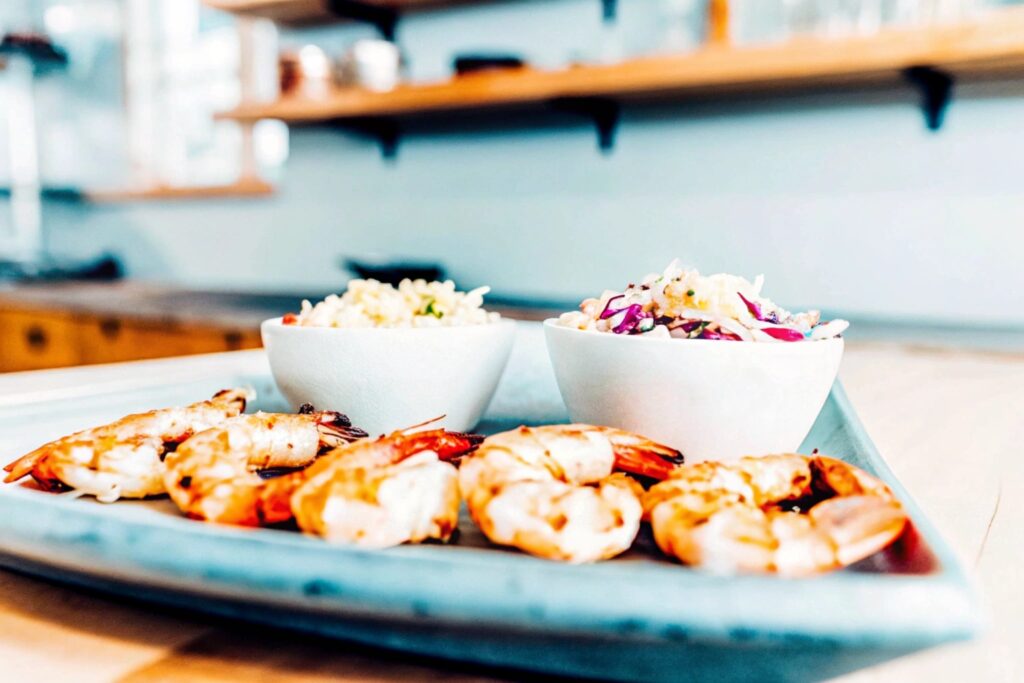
[{"x": 683, "y": 304}]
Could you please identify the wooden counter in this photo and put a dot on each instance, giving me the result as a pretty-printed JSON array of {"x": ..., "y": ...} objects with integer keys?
[
  {"x": 58, "y": 325},
  {"x": 948, "y": 423}
]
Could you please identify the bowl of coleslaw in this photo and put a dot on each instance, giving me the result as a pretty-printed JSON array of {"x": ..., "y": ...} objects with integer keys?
[
  {"x": 392, "y": 357},
  {"x": 703, "y": 363}
]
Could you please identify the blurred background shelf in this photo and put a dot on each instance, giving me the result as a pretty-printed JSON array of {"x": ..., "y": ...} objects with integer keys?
[
  {"x": 320, "y": 11},
  {"x": 990, "y": 46},
  {"x": 248, "y": 187}
]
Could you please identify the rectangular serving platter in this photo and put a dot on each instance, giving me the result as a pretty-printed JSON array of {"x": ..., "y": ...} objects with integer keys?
[{"x": 638, "y": 617}]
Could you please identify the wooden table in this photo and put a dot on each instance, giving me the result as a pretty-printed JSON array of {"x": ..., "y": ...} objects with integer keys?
[{"x": 949, "y": 422}]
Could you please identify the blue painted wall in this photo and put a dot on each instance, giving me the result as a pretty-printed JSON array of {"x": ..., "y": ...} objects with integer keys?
[{"x": 843, "y": 201}]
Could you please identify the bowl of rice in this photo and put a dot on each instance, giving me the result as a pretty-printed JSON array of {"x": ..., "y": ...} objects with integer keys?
[
  {"x": 706, "y": 364},
  {"x": 392, "y": 357}
]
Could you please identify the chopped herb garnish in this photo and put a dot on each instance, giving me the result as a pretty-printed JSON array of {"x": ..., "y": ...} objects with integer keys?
[
  {"x": 690, "y": 292},
  {"x": 431, "y": 309}
]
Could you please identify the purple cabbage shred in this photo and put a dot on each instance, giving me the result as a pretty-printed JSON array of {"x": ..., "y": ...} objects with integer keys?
[
  {"x": 632, "y": 315},
  {"x": 786, "y": 334},
  {"x": 688, "y": 326},
  {"x": 608, "y": 310},
  {"x": 754, "y": 308},
  {"x": 718, "y": 334}
]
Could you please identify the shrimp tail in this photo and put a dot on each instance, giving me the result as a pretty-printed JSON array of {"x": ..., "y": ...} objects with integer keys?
[
  {"x": 335, "y": 428},
  {"x": 341, "y": 419},
  {"x": 24, "y": 465},
  {"x": 458, "y": 444},
  {"x": 39, "y": 464},
  {"x": 236, "y": 396},
  {"x": 448, "y": 445},
  {"x": 651, "y": 460},
  {"x": 834, "y": 477}
]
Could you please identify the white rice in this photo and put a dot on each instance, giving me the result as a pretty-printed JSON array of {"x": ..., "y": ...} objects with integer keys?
[{"x": 414, "y": 303}]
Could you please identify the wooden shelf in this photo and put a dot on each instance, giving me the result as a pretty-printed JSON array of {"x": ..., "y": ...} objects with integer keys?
[
  {"x": 315, "y": 11},
  {"x": 250, "y": 187},
  {"x": 990, "y": 45}
]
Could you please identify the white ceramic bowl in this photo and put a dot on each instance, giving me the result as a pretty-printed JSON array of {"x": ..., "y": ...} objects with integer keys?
[
  {"x": 386, "y": 379},
  {"x": 713, "y": 400}
]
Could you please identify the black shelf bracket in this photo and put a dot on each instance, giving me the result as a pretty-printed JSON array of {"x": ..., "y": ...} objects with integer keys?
[
  {"x": 605, "y": 114},
  {"x": 609, "y": 10},
  {"x": 385, "y": 19},
  {"x": 386, "y": 132},
  {"x": 936, "y": 88}
]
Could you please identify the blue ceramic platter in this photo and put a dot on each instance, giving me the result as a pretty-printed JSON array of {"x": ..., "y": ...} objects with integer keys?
[{"x": 639, "y": 617}]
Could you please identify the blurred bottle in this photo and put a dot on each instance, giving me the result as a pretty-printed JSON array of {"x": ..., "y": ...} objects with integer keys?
[
  {"x": 719, "y": 22},
  {"x": 316, "y": 72}
]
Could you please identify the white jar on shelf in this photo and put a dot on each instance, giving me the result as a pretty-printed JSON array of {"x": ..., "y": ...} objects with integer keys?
[{"x": 371, "y": 64}]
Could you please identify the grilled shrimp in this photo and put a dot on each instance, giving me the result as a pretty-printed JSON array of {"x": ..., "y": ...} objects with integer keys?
[
  {"x": 384, "y": 492},
  {"x": 554, "y": 491},
  {"x": 123, "y": 459},
  {"x": 215, "y": 475},
  {"x": 787, "y": 514}
]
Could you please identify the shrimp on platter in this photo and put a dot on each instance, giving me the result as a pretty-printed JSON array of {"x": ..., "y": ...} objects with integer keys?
[
  {"x": 787, "y": 514},
  {"x": 559, "y": 491},
  {"x": 123, "y": 459},
  {"x": 217, "y": 474},
  {"x": 399, "y": 488}
]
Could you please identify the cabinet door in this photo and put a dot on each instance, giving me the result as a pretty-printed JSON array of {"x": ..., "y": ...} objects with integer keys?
[
  {"x": 109, "y": 340},
  {"x": 33, "y": 341}
]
